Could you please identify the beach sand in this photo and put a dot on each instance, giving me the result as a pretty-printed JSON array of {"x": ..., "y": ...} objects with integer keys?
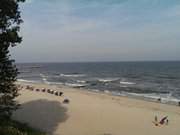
[{"x": 90, "y": 113}]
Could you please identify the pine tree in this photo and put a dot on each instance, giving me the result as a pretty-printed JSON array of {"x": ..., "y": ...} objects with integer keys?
[{"x": 10, "y": 21}]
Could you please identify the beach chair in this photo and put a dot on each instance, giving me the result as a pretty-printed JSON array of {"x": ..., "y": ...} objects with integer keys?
[
  {"x": 48, "y": 90},
  {"x": 60, "y": 93},
  {"x": 56, "y": 93},
  {"x": 37, "y": 90},
  {"x": 43, "y": 90}
]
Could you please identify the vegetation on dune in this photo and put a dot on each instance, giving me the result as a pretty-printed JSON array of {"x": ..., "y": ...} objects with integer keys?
[
  {"x": 16, "y": 128},
  {"x": 10, "y": 20}
]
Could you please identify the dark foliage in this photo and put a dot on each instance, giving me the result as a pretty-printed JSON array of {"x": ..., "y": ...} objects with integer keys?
[
  {"x": 15, "y": 128},
  {"x": 10, "y": 20}
]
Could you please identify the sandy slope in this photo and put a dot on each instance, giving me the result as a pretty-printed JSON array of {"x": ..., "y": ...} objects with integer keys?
[{"x": 94, "y": 114}]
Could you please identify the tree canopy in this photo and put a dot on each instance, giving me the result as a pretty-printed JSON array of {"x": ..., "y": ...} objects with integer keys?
[{"x": 10, "y": 20}]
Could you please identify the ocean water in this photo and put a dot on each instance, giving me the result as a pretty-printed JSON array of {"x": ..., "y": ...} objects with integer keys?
[{"x": 150, "y": 80}]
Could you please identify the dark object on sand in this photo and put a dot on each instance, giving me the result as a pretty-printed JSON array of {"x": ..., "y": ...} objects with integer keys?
[
  {"x": 60, "y": 93},
  {"x": 43, "y": 90},
  {"x": 19, "y": 87},
  {"x": 37, "y": 90},
  {"x": 167, "y": 121},
  {"x": 156, "y": 123},
  {"x": 162, "y": 121},
  {"x": 48, "y": 90},
  {"x": 159, "y": 99},
  {"x": 66, "y": 101},
  {"x": 52, "y": 92},
  {"x": 56, "y": 93},
  {"x": 179, "y": 103},
  {"x": 156, "y": 119},
  {"x": 28, "y": 87}
]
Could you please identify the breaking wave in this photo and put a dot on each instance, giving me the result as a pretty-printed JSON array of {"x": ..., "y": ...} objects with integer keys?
[
  {"x": 72, "y": 75},
  {"x": 27, "y": 81},
  {"x": 127, "y": 83},
  {"x": 75, "y": 85},
  {"x": 106, "y": 80}
]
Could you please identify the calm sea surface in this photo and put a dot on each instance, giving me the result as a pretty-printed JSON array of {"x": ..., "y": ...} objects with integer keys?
[{"x": 141, "y": 79}]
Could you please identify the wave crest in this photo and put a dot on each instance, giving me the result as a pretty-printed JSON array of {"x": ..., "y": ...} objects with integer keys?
[
  {"x": 72, "y": 75},
  {"x": 127, "y": 83}
]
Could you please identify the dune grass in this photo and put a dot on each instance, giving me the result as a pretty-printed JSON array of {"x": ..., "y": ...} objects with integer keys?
[{"x": 16, "y": 128}]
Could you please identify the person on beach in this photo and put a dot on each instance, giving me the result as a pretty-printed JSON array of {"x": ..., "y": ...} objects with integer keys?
[
  {"x": 159, "y": 99},
  {"x": 167, "y": 121},
  {"x": 156, "y": 119}
]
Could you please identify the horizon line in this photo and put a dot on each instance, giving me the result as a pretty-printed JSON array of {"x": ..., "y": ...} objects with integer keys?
[{"x": 98, "y": 61}]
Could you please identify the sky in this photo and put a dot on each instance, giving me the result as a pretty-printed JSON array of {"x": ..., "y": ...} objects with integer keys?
[{"x": 99, "y": 30}]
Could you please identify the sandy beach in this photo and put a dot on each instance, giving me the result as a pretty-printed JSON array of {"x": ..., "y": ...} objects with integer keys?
[{"x": 90, "y": 113}]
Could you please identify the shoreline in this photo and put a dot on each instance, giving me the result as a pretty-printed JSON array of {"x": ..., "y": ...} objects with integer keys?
[
  {"x": 160, "y": 100},
  {"x": 98, "y": 94}
]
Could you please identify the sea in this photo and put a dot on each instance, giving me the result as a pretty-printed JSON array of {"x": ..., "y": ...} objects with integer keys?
[{"x": 146, "y": 80}]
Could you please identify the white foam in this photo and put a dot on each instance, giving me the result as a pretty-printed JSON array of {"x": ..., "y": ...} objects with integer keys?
[
  {"x": 95, "y": 90},
  {"x": 81, "y": 81},
  {"x": 56, "y": 83},
  {"x": 127, "y": 83},
  {"x": 106, "y": 80},
  {"x": 165, "y": 98},
  {"x": 123, "y": 86},
  {"x": 75, "y": 85},
  {"x": 27, "y": 81},
  {"x": 46, "y": 82},
  {"x": 152, "y": 95},
  {"x": 72, "y": 75},
  {"x": 44, "y": 78},
  {"x": 107, "y": 91}
]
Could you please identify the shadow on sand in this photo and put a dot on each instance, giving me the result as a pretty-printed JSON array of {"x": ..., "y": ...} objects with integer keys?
[{"x": 42, "y": 114}]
